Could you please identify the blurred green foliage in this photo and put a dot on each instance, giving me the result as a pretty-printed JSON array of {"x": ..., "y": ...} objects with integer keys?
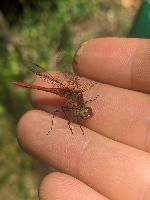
[{"x": 34, "y": 32}]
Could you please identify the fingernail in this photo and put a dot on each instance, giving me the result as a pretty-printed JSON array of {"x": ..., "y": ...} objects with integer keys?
[{"x": 78, "y": 53}]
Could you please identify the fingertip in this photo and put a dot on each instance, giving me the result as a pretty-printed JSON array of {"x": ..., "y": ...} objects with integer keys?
[
  {"x": 32, "y": 129},
  {"x": 25, "y": 130},
  {"x": 48, "y": 186},
  {"x": 122, "y": 62},
  {"x": 79, "y": 55},
  {"x": 62, "y": 186},
  {"x": 22, "y": 126}
]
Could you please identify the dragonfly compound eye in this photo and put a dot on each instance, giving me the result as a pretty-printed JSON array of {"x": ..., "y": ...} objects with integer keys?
[{"x": 86, "y": 113}]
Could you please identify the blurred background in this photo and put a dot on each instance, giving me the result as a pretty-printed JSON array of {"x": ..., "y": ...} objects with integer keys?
[{"x": 34, "y": 31}]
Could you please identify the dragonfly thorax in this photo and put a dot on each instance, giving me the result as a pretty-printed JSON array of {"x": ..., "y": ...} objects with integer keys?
[{"x": 73, "y": 95}]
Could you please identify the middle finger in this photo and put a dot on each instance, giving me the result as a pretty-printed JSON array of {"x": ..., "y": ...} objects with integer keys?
[{"x": 118, "y": 113}]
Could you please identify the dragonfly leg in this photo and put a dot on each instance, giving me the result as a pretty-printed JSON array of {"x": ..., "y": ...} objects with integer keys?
[
  {"x": 69, "y": 122},
  {"x": 82, "y": 130},
  {"x": 53, "y": 120},
  {"x": 77, "y": 118},
  {"x": 64, "y": 109}
]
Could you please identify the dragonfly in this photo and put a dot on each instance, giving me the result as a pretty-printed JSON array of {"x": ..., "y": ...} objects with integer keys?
[{"x": 71, "y": 87}]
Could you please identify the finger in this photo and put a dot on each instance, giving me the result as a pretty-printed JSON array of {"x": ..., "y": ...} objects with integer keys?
[
  {"x": 61, "y": 186},
  {"x": 115, "y": 170},
  {"x": 119, "y": 114},
  {"x": 122, "y": 62}
]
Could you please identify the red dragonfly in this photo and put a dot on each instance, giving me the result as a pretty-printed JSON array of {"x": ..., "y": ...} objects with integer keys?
[{"x": 71, "y": 88}]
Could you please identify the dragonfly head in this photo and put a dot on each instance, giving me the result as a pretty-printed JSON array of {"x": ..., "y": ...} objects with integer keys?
[{"x": 86, "y": 113}]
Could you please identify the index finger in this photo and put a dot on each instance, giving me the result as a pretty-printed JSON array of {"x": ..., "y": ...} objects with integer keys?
[{"x": 122, "y": 62}]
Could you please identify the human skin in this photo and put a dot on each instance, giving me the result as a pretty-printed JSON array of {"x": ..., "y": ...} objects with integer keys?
[{"x": 111, "y": 161}]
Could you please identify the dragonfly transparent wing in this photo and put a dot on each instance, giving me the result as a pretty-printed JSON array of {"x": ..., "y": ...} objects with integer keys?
[
  {"x": 79, "y": 83},
  {"x": 45, "y": 76},
  {"x": 72, "y": 80}
]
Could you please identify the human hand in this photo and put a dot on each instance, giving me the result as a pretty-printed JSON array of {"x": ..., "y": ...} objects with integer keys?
[{"x": 112, "y": 160}]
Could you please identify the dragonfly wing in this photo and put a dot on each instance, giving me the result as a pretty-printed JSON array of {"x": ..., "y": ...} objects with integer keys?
[
  {"x": 66, "y": 80},
  {"x": 73, "y": 80},
  {"x": 84, "y": 84},
  {"x": 79, "y": 83},
  {"x": 44, "y": 75}
]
